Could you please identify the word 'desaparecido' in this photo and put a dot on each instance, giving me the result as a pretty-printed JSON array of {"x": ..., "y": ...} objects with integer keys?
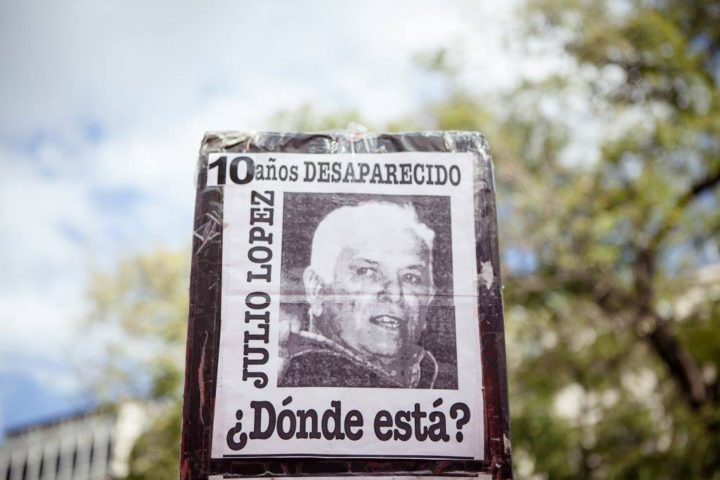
[{"x": 336, "y": 424}]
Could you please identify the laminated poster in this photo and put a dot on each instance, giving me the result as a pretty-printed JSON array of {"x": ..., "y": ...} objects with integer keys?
[{"x": 343, "y": 293}]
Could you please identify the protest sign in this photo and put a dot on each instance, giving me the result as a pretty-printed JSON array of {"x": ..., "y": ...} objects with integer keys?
[{"x": 345, "y": 305}]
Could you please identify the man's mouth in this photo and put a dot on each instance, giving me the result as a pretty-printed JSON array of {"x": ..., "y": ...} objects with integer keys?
[{"x": 387, "y": 321}]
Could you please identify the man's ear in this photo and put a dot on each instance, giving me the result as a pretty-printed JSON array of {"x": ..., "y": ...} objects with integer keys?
[{"x": 313, "y": 290}]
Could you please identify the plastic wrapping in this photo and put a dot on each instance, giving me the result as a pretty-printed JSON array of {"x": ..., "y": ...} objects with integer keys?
[{"x": 345, "y": 272}]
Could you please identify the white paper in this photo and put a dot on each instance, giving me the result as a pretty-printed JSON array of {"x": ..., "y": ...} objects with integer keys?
[{"x": 365, "y": 295}]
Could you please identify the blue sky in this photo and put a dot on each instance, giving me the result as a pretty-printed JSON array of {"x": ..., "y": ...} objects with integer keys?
[{"x": 102, "y": 108}]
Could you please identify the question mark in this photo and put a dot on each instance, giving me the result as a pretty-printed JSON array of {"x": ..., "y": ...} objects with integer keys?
[
  {"x": 242, "y": 438},
  {"x": 462, "y": 420}
]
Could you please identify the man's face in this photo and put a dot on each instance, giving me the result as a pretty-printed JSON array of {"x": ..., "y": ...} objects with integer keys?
[{"x": 378, "y": 298}]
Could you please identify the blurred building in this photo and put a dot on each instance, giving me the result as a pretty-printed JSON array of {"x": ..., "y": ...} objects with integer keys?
[{"x": 92, "y": 445}]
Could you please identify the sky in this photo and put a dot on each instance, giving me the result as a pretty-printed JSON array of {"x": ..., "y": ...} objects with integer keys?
[{"x": 102, "y": 108}]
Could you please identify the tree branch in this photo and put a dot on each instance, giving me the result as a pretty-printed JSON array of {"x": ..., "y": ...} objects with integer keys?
[
  {"x": 710, "y": 181},
  {"x": 663, "y": 340},
  {"x": 680, "y": 363}
]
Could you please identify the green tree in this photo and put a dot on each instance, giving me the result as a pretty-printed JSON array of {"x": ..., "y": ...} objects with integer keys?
[
  {"x": 142, "y": 308},
  {"x": 613, "y": 343}
]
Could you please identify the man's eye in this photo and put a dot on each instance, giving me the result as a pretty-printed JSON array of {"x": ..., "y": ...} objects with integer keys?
[
  {"x": 364, "y": 271},
  {"x": 412, "y": 278}
]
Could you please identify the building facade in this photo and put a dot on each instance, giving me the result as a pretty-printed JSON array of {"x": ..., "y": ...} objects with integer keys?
[{"x": 93, "y": 445}]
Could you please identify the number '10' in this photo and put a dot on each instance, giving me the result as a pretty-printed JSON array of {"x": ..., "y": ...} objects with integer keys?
[{"x": 221, "y": 164}]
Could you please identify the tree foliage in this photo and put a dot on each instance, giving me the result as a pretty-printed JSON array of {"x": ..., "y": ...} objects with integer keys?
[
  {"x": 613, "y": 330},
  {"x": 141, "y": 309}
]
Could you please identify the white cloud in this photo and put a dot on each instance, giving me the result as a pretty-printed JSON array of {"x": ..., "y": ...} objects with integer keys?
[{"x": 130, "y": 64}]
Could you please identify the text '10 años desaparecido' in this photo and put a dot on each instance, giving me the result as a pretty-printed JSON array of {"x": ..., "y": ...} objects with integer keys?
[{"x": 243, "y": 169}]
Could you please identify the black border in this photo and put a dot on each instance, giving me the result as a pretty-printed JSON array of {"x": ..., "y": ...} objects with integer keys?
[{"x": 204, "y": 315}]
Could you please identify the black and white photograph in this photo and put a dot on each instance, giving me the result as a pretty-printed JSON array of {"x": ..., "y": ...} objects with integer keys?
[{"x": 367, "y": 289}]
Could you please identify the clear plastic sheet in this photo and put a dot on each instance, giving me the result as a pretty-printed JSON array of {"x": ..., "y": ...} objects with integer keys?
[{"x": 205, "y": 347}]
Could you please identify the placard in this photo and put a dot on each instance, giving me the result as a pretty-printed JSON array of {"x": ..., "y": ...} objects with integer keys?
[{"x": 345, "y": 305}]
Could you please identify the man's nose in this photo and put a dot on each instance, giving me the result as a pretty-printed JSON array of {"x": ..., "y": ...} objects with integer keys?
[{"x": 392, "y": 291}]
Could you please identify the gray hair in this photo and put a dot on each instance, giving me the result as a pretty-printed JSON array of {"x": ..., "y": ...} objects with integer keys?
[{"x": 346, "y": 226}]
